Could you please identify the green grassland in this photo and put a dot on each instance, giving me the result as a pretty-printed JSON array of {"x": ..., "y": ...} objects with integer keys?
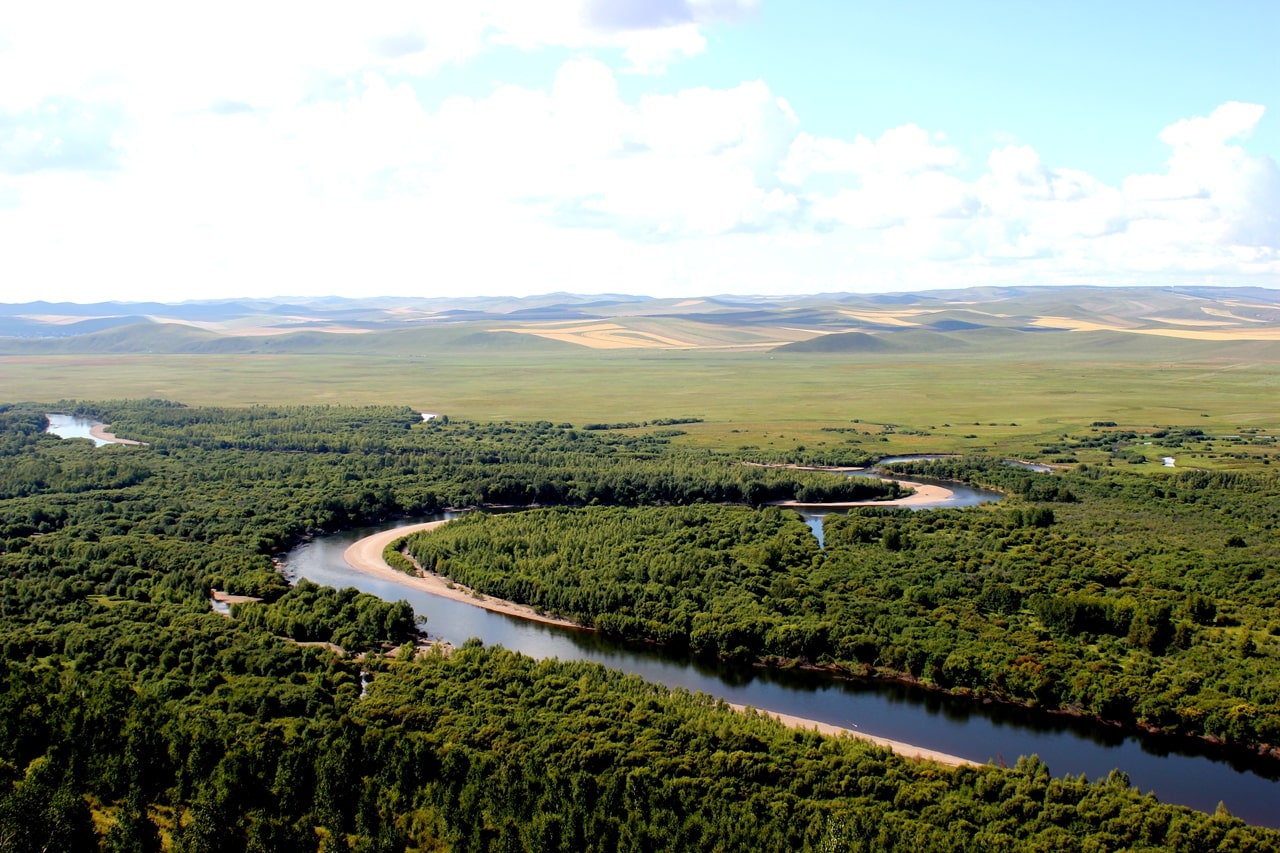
[
  {"x": 1011, "y": 395},
  {"x": 979, "y": 371}
]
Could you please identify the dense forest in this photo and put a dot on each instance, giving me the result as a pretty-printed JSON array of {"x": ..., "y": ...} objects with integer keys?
[
  {"x": 1102, "y": 600},
  {"x": 133, "y": 717}
]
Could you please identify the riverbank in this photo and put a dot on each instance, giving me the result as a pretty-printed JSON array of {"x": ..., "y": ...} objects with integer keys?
[
  {"x": 924, "y": 494},
  {"x": 905, "y": 750},
  {"x": 365, "y": 556},
  {"x": 99, "y": 431}
]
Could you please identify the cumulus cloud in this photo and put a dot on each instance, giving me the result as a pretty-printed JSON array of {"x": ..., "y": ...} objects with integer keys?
[
  {"x": 60, "y": 133},
  {"x": 165, "y": 56},
  {"x": 672, "y": 165},
  {"x": 904, "y": 149},
  {"x": 1232, "y": 120},
  {"x": 1213, "y": 192},
  {"x": 319, "y": 156},
  {"x": 636, "y": 14},
  {"x": 1214, "y": 208}
]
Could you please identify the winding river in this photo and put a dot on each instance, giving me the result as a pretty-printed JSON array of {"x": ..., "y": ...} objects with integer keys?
[
  {"x": 1184, "y": 772},
  {"x": 1180, "y": 772}
]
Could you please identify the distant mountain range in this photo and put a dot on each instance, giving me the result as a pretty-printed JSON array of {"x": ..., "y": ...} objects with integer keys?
[{"x": 837, "y": 322}]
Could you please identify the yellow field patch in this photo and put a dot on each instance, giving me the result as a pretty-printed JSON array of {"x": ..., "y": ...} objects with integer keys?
[
  {"x": 1218, "y": 312},
  {"x": 885, "y": 318},
  {"x": 1073, "y": 325},
  {"x": 1268, "y": 334},
  {"x": 1175, "y": 321},
  {"x": 1271, "y": 333},
  {"x": 602, "y": 336},
  {"x": 639, "y": 335}
]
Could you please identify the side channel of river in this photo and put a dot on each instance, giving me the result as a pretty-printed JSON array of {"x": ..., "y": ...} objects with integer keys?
[{"x": 1178, "y": 772}]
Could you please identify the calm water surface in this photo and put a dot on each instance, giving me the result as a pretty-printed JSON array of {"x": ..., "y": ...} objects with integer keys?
[
  {"x": 1249, "y": 788},
  {"x": 71, "y": 426},
  {"x": 961, "y": 495}
]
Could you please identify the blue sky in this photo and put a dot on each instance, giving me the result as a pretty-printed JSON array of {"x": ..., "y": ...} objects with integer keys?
[{"x": 668, "y": 147}]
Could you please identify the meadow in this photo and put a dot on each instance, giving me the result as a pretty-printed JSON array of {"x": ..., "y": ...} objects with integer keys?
[
  {"x": 981, "y": 370},
  {"x": 1010, "y": 396}
]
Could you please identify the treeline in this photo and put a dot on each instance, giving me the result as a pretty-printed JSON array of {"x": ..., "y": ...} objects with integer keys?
[{"x": 637, "y": 425}]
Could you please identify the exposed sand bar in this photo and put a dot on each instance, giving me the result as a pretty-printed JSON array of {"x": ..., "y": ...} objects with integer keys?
[
  {"x": 925, "y": 494},
  {"x": 229, "y": 598},
  {"x": 905, "y": 750},
  {"x": 366, "y": 556},
  {"x": 99, "y": 431}
]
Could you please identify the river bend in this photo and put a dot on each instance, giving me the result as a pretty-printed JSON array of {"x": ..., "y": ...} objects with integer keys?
[{"x": 1180, "y": 772}]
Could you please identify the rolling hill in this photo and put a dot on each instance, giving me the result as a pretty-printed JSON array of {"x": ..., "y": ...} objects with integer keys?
[{"x": 828, "y": 323}]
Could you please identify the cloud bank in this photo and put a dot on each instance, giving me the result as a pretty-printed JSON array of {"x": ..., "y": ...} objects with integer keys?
[{"x": 298, "y": 149}]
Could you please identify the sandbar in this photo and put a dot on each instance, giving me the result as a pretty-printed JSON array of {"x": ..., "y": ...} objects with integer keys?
[
  {"x": 905, "y": 750},
  {"x": 99, "y": 431},
  {"x": 925, "y": 494},
  {"x": 230, "y": 598},
  {"x": 366, "y": 556}
]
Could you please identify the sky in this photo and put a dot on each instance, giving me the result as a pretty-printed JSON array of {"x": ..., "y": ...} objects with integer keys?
[{"x": 673, "y": 148}]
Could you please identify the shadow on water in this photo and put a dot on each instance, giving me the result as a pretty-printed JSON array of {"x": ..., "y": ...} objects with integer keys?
[{"x": 1187, "y": 772}]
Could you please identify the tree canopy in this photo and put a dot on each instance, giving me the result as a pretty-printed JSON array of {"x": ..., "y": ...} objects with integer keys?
[{"x": 133, "y": 717}]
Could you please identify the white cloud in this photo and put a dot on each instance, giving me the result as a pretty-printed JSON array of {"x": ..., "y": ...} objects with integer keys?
[
  {"x": 904, "y": 149},
  {"x": 1216, "y": 208},
  {"x": 60, "y": 133},
  {"x": 167, "y": 56},
  {"x": 1214, "y": 193},
  {"x": 654, "y": 33},
  {"x": 1230, "y": 121},
  {"x": 288, "y": 148}
]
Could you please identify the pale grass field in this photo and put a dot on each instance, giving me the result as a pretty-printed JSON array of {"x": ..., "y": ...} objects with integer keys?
[{"x": 1007, "y": 400}]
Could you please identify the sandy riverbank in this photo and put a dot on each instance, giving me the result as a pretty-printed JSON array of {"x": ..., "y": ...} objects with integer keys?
[
  {"x": 366, "y": 556},
  {"x": 99, "y": 431},
  {"x": 906, "y": 750},
  {"x": 230, "y": 598},
  {"x": 925, "y": 494}
]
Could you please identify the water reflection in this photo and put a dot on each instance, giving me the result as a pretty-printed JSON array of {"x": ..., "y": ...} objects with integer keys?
[
  {"x": 73, "y": 426},
  {"x": 1185, "y": 772}
]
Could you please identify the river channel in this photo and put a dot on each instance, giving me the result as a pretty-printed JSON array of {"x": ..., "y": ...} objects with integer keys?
[
  {"x": 73, "y": 426},
  {"x": 1178, "y": 772}
]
